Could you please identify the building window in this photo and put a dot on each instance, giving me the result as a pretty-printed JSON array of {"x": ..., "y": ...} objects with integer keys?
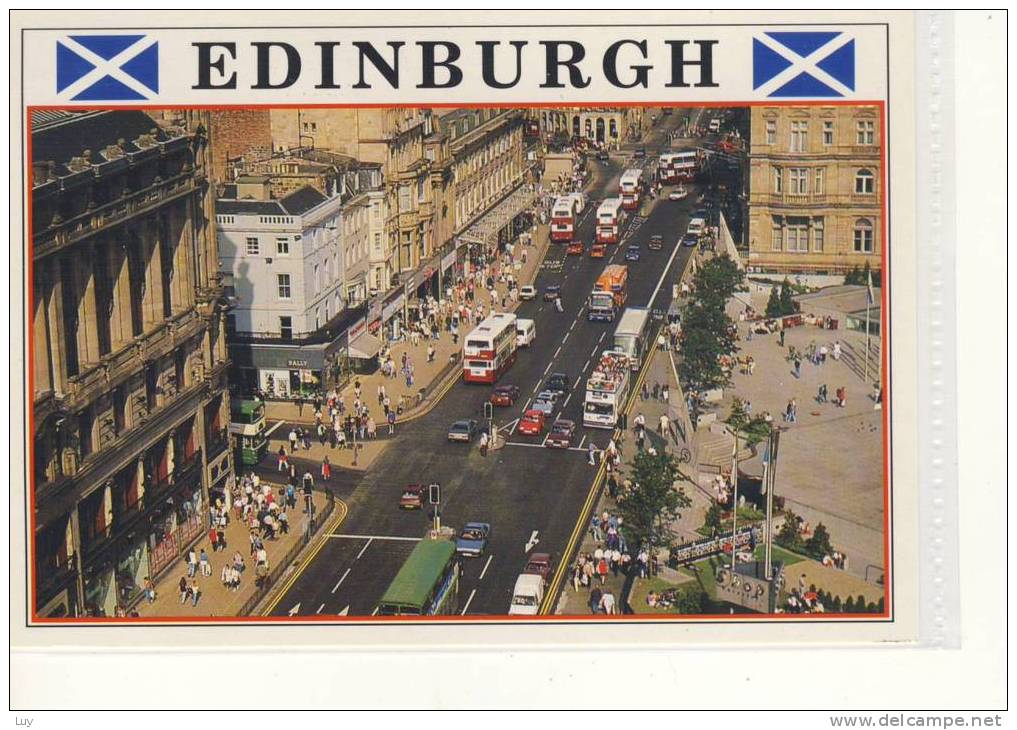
[
  {"x": 866, "y": 132},
  {"x": 282, "y": 246},
  {"x": 252, "y": 246},
  {"x": 771, "y": 131},
  {"x": 798, "y": 235},
  {"x": 820, "y": 184},
  {"x": 317, "y": 318},
  {"x": 286, "y": 327},
  {"x": 778, "y": 181},
  {"x": 317, "y": 280},
  {"x": 777, "y": 235},
  {"x": 827, "y": 134},
  {"x": 818, "y": 234},
  {"x": 377, "y": 243},
  {"x": 798, "y": 177},
  {"x": 863, "y": 235},
  {"x": 865, "y": 182},
  {"x": 284, "y": 286},
  {"x": 799, "y": 136}
]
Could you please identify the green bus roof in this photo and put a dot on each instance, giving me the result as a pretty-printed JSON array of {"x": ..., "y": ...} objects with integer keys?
[
  {"x": 420, "y": 573},
  {"x": 246, "y": 407}
]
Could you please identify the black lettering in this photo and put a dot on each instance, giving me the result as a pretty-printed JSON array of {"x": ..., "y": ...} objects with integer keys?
[
  {"x": 264, "y": 67},
  {"x": 452, "y": 53},
  {"x": 611, "y": 65},
  {"x": 705, "y": 63},
  {"x": 389, "y": 71},
  {"x": 553, "y": 63},
  {"x": 206, "y": 64},
  {"x": 487, "y": 63},
  {"x": 327, "y": 65}
]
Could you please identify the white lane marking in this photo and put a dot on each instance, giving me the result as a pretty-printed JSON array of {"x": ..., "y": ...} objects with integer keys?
[
  {"x": 320, "y": 608},
  {"x": 573, "y": 326},
  {"x": 548, "y": 367},
  {"x": 566, "y": 339},
  {"x": 340, "y": 582},
  {"x": 566, "y": 403},
  {"x": 557, "y": 352},
  {"x": 587, "y": 364},
  {"x": 602, "y": 335},
  {"x": 277, "y": 425},
  {"x": 527, "y": 406},
  {"x": 375, "y": 611},
  {"x": 375, "y": 537},
  {"x": 594, "y": 350},
  {"x": 582, "y": 441},
  {"x": 468, "y": 601},
  {"x": 544, "y": 442},
  {"x": 486, "y": 566},
  {"x": 663, "y": 276},
  {"x": 539, "y": 446},
  {"x": 576, "y": 384},
  {"x": 364, "y": 549}
]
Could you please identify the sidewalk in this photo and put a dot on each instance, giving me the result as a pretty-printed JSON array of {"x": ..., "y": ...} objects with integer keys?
[
  {"x": 424, "y": 373},
  {"x": 215, "y": 599}
]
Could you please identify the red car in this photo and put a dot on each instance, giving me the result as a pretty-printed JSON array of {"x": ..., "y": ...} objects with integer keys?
[
  {"x": 532, "y": 423},
  {"x": 575, "y": 248},
  {"x": 598, "y": 251},
  {"x": 561, "y": 434},
  {"x": 539, "y": 564},
  {"x": 504, "y": 395},
  {"x": 412, "y": 497}
]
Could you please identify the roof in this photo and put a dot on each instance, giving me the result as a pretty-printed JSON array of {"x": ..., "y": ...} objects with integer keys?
[
  {"x": 420, "y": 573},
  {"x": 296, "y": 203},
  {"x": 302, "y": 200},
  {"x": 246, "y": 406},
  {"x": 528, "y": 580},
  {"x": 846, "y": 298}
]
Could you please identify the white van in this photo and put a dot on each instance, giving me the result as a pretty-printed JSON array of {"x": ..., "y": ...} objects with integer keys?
[
  {"x": 527, "y": 595},
  {"x": 526, "y": 331},
  {"x": 715, "y": 125},
  {"x": 696, "y": 227}
]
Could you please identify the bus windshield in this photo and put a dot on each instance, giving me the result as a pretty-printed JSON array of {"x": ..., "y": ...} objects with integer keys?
[{"x": 600, "y": 409}]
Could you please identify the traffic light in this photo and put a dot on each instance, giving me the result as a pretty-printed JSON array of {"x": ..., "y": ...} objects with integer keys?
[
  {"x": 434, "y": 494},
  {"x": 488, "y": 411}
]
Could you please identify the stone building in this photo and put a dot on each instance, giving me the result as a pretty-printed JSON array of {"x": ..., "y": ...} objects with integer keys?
[
  {"x": 610, "y": 126},
  {"x": 815, "y": 189},
  {"x": 130, "y": 408}
]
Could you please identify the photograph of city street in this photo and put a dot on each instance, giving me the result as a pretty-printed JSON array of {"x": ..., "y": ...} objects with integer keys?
[{"x": 399, "y": 364}]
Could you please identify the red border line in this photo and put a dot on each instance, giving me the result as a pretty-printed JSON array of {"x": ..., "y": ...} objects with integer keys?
[{"x": 887, "y": 613}]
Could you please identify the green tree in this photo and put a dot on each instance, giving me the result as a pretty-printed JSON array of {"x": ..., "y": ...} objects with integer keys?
[
  {"x": 653, "y": 503},
  {"x": 719, "y": 277},
  {"x": 854, "y": 276},
  {"x": 690, "y": 600},
  {"x": 788, "y": 535},
  {"x": 787, "y": 303},
  {"x": 849, "y": 605},
  {"x": 819, "y": 545},
  {"x": 773, "y": 309},
  {"x": 713, "y": 518}
]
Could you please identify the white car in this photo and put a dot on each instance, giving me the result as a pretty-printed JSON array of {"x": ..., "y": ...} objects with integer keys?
[
  {"x": 679, "y": 194},
  {"x": 527, "y": 293}
]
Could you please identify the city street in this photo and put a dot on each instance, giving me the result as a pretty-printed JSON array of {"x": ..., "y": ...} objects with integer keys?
[{"x": 526, "y": 492}]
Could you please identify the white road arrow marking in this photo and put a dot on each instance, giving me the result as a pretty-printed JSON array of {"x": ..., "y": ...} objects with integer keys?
[
  {"x": 294, "y": 610},
  {"x": 532, "y": 542},
  {"x": 345, "y": 612}
]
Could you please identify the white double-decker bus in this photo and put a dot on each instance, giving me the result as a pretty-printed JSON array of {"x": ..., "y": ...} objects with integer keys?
[
  {"x": 675, "y": 167},
  {"x": 631, "y": 335},
  {"x": 631, "y": 188},
  {"x": 606, "y": 391},
  {"x": 609, "y": 219},
  {"x": 563, "y": 218},
  {"x": 490, "y": 349}
]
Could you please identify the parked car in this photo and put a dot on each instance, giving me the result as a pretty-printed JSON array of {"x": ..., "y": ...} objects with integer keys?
[
  {"x": 545, "y": 402},
  {"x": 539, "y": 564},
  {"x": 598, "y": 251},
  {"x": 561, "y": 434},
  {"x": 575, "y": 248},
  {"x": 640, "y": 152},
  {"x": 532, "y": 423},
  {"x": 689, "y": 240},
  {"x": 472, "y": 540},
  {"x": 504, "y": 395},
  {"x": 656, "y": 242},
  {"x": 632, "y": 253},
  {"x": 678, "y": 194},
  {"x": 552, "y": 292},
  {"x": 463, "y": 430},
  {"x": 557, "y": 383},
  {"x": 526, "y": 293},
  {"x": 412, "y": 497}
]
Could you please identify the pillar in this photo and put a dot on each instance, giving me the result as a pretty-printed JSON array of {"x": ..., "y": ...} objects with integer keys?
[
  {"x": 121, "y": 327},
  {"x": 42, "y": 373},
  {"x": 184, "y": 264},
  {"x": 54, "y": 297},
  {"x": 78, "y": 563},
  {"x": 152, "y": 259},
  {"x": 88, "y": 332}
]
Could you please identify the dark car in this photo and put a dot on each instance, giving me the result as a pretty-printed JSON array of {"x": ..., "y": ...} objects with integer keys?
[
  {"x": 656, "y": 242},
  {"x": 412, "y": 497},
  {"x": 640, "y": 152},
  {"x": 552, "y": 292},
  {"x": 463, "y": 430},
  {"x": 561, "y": 434},
  {"x": 690, "y": 240},
  {"x": 504, "y": 395},
  {"x": 557, "y": 383},
  {"x": 632, "y": 253},
  {"x": 603, "y": 155}
]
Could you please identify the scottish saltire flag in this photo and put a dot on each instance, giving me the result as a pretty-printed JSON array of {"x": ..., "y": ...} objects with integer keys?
[
  {"x": 805, "y": 64},
  {"x": 107, "y": 67}
]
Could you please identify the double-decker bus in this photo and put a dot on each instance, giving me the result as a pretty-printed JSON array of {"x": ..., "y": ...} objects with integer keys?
[
  {"x": 609, "y": 293},
  {"x": 563, "y": 218},
  {"x": 609, "y": 218},
  {"x": 675, "y": 167},
  {"x": 247, "y": 423},
  {"x": 427, "y": 584},
  {"x": 606, "y": 389},
  {"x": 631, "y": 188},
  {"x": 630, "y": 336},
  {"x": 490, "y": 349}
]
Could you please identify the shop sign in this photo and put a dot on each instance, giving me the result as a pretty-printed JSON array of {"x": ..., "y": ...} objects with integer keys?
[
  {"x": 392, "y": 307},
  {"x": 296, "y": 364},
  {"x": 357, "y": 329},
  {"x": 449, "y": 259}
]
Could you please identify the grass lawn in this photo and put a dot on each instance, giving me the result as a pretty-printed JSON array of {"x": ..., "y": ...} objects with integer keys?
[
  {"x": 779, "y": 553},
  {"x": 637, "y": 598},
  {"x": 707, "y": 575}
]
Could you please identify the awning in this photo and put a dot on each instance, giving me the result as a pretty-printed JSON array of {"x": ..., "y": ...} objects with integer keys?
[
  {"x": 487, "y": 227},
  {"x": 365, "y": 347}
]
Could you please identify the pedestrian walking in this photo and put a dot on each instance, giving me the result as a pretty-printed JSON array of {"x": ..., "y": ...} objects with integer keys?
[
  {"x": 293, "y": 440},
  {"x": 183, "y": 589},
  {"x": 326, "y": 469},
  {"x": 284, "y": 461},
  {"x": 591, "y": 454},
  {"x": 206, "y": 567},
  {"x": 483, "y": 444},
  {"x": 798, "y": 368},
  {"x": 192, "y": 563},
  {"x": 663, "y": 424}
]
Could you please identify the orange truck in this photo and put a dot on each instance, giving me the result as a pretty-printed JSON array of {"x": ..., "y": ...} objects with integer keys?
[{"x": 609, "y": 293}]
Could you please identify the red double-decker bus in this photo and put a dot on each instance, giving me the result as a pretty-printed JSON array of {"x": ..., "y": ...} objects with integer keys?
[
  {"x": 609, "y": 219},
  {"x": 675, "y": 167},
  {"x": 631, "y": 188},
  {"x": 563, "y": 218},
  {"x": 490, "y": 349}
]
